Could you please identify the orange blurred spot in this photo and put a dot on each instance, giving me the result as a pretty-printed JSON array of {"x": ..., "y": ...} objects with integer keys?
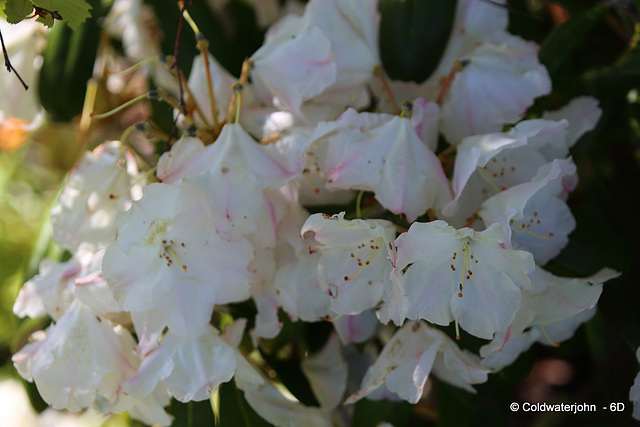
[
  {"x": 13, "y": 134},
  {"x": 558, "y": 13}
]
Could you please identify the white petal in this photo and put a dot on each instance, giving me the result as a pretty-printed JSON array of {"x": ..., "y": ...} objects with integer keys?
[
  {"x": 462, "y": 275},
  {"x": 533, "y": 215},
  {"x": 70, "y": 366},
  {"x": 582, "y": 113},
  {"x": 201, "y": 363},
  {"x": 296, "y": 64},
  {"x": 565, "y": 297},
  {"x": 353, "y": 268},
  {"x": 497, "y": 85},
  {"x": 327, "y": 373},
  {"x": 356, "y": 328},
  {"x": 404, "y": 363},
  {"x": 385, "y": 155}
]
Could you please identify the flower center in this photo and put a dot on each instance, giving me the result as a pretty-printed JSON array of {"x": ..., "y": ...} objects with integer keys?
[
  {"x": 528, "y": 226},
  {"x": 374, "y": 245}
]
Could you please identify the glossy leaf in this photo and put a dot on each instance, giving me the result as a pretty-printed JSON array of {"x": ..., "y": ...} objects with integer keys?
[
  {"x": 413, "y": 36},
  {"x": 629, "y": 63},
  {"x": 561, "y": 42},
  {"x": 370, "y": 413},
  {"x": 191, "y": 414},
  {"x": 235, "y": 411}
]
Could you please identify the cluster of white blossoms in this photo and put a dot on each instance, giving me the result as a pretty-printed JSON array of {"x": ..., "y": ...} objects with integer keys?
[{"x": 226, "y": 222}]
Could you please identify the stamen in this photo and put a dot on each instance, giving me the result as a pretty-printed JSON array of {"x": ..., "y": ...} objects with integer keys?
[
  {"x": 447, "y": 151},
  {"x": 203, "y": 45},
  {"x": 194, "y": 101},
  {"x": 405, "y": 111},
  {"x": 237, "y": 91},
  {"x": 168, "y": 60},
  {"x": 486, "y": 175},
  {"x": 457, "y": 67},
  {"x": 247, "y": 65},
  {"x": 135, "y": 66},
  {"x": 522, "y": 227},
  {"x": 464, "y": 268},
  {"x": 366, "y": 261},
  {"x": 457, "y": 330},
  {"x": 149, "y": 95},
  {"x": 546, "y": 335},
  {"x": 377, "y": 71},
  {"x": 271, "y": 138},
  {"x": 87, "y": 107},
  {"x": 309, "y": 183},
  {"x": 188, "y": 18},
  {"x": 358, "y": 204},
  {"x": 134, "y": 183},
  {"x": 167, "y": 248}
]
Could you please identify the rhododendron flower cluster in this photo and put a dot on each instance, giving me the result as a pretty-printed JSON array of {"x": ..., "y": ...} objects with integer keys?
[{"x": 444, "y": 210}]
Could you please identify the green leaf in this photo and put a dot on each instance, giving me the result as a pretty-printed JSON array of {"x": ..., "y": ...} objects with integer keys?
[
  {"x": 629, "y": 63},
  {"x": 370, "y": 413},
  {"x": 413, "y": 36},
  {"x": 454, "y": 405},
  {"x": 191, "y": 414},
  {"x": 562, "y": 41},
  {"x": 46, "y": 20},
  {"x": 235, "y": 411},
  {"x": 17, "y": 10},
  {"x": 73, "y": 12}
]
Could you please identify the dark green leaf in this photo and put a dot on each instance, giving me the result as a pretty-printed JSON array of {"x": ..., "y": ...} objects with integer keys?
[
  {"x": 413, "y": 36},
  {"x": 16, "y": 10},
  {"x": 629, "y": 63},
  {"x": 191, "y": 414},
  {"x": 370, "y": 413},
  {"x": 68, "y": 61},
  {"x": 232, "y": 34},
  {"x": 562, "y": 41},
  {"x": 235, "y": 411},
  {"x": 454, "y": 405}
]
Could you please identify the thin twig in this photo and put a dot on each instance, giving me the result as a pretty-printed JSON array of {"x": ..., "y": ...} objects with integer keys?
[
  {"x": 7, "y": 63},
  {"x": 174, "y": 63}
]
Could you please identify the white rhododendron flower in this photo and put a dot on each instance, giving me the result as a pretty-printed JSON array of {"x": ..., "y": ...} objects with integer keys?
[
  {"x": 534, "y": 216},
  {"x": 415, "y": 351},
  {"x": 383, "y": 154},
  {"x": 497, "y": 84},
  {"x": 81, "y": 355},
  {"x": 98, "y": 188},
  {"x": 553, "y": 309},
  {"x": 190, "y": 365},
  {"x": 294, "y": 82},
  {"x": 488, "y": 164},
  {"x": 353, "y": 267},
  {"x": 237, "y": 171},
  {"x": 462, "y": 275},
  {"x": 178, "y": 258},
  {"x": 305, "y": 215}
]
